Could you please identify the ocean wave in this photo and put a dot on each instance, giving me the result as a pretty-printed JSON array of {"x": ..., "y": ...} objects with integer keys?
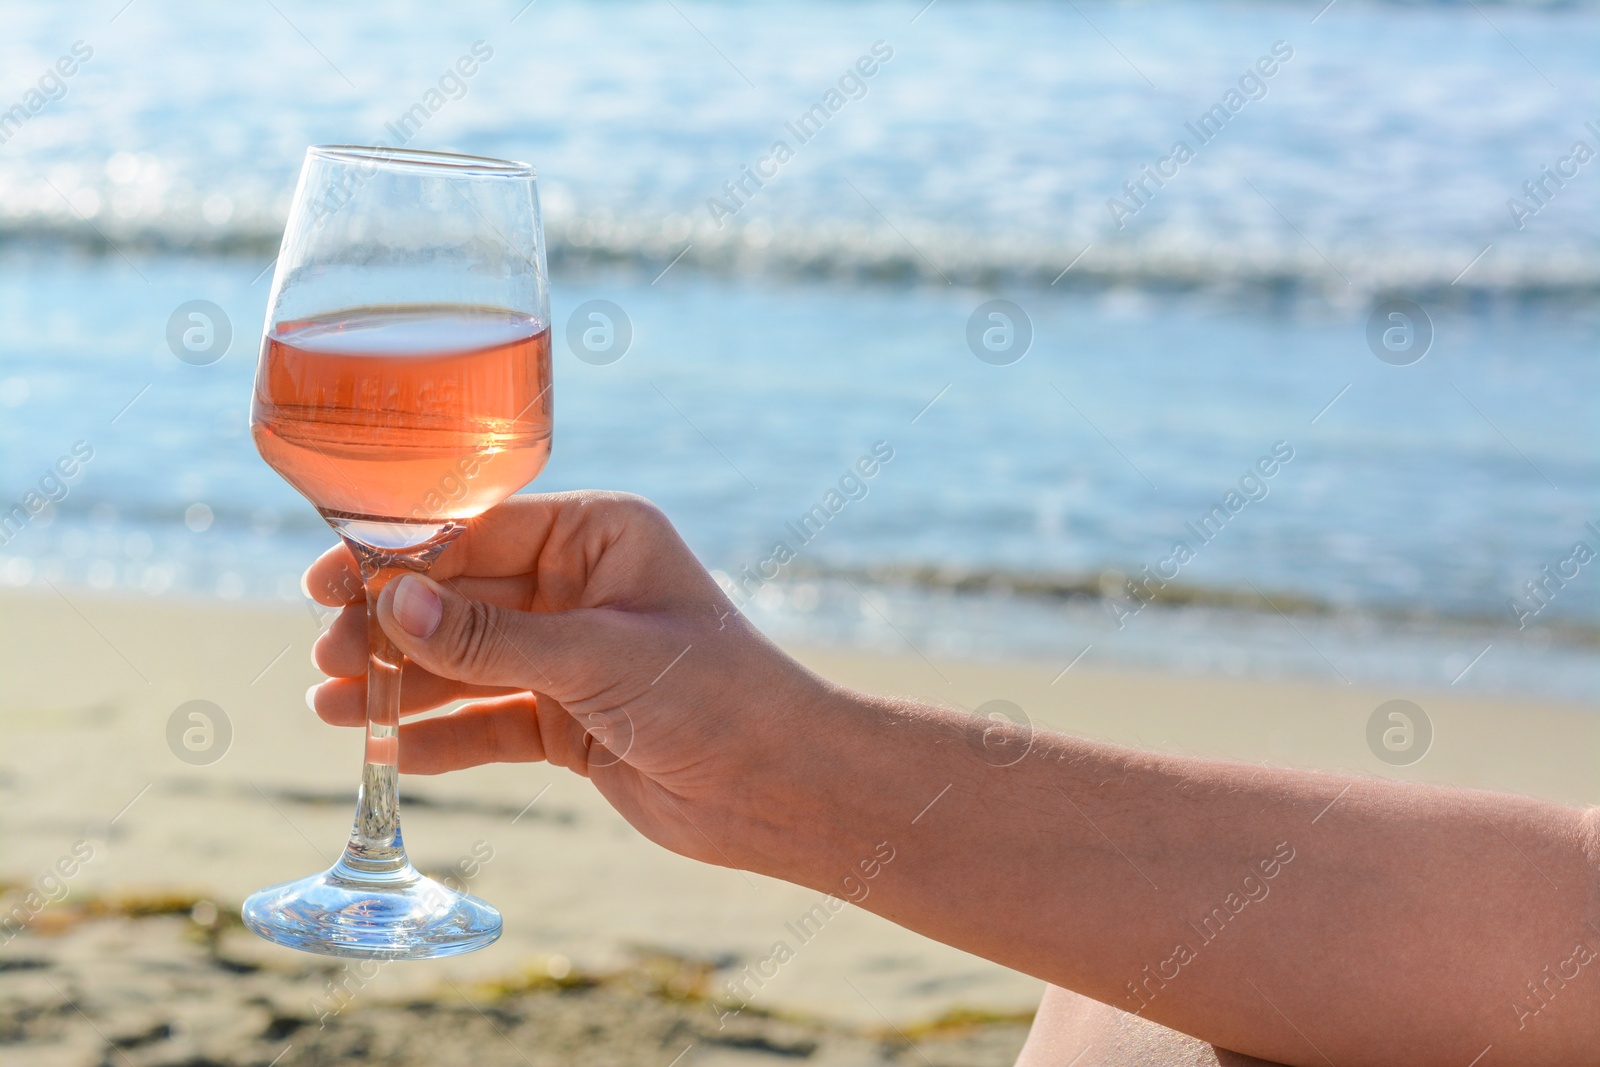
[
  {"x": 825, "y": 250},
  {"x": 282, "y": 539},
  {"x": 1110, "y": 589}
]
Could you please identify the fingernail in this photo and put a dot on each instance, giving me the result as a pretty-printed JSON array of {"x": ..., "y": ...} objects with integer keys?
[
  {"x": 311, "y": 697},
  {"x": 305, "y": 584},
  {"x": 417, "y": 607}
]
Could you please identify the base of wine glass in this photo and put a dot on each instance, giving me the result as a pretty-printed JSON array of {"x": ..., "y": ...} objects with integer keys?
[{"x": 398, "y": 915}]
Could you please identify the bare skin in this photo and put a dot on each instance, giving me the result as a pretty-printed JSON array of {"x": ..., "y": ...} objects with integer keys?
[
  {"x": 1297, "y": 917},
  {"x": 1072, "y": 1029}
]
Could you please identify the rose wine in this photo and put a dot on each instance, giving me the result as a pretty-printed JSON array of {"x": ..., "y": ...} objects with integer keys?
[{"x": 397, "y": 421}]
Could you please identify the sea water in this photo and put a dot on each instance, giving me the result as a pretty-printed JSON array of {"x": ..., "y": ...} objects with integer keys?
[{"x": 789, "y": 312}]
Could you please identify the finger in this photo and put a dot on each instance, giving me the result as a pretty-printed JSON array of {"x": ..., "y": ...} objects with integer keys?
[
  {"x": 343, "y": 701},
  {"x": 526, "y": 533},
  {"x": 334, "y": 579},
  {"x": 486, "y": 644},
  {"x": 341, "y": 650},
  {"x": 513, "y": 591},
  {"x": 507, "y": 539},
  {"x": 505, "y": 730}
]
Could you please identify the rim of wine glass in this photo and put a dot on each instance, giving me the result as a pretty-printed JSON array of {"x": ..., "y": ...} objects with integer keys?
[{"x": 416, "y": 157}]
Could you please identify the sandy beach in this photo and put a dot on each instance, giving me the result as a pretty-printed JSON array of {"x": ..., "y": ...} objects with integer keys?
[{"x": 603, "y": 929}]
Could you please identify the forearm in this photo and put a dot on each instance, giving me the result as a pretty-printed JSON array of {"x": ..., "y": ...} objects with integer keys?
[{"x": 1275, "y": 912}]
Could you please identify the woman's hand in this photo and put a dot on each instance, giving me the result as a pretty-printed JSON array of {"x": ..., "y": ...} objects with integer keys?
[{"x": 583, "y": 631}]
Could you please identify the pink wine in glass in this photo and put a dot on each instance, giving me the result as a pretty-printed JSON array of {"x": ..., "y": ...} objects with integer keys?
[
  {"x": 397, "y": 422},
  {"x": 421, "y": 402}
]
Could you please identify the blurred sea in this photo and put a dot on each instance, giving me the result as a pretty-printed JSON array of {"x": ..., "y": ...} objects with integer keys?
[{"x": 778, "y": 337}]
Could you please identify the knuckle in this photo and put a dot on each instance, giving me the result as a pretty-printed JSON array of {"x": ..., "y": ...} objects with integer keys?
[
  {"x": 631, "y": 509},
  {"x": 619, "y": 511},
  {"x": 476, "y": 637}
]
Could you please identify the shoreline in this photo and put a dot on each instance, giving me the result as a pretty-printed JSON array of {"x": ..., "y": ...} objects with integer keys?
[{"x": 1018, "y": 617}]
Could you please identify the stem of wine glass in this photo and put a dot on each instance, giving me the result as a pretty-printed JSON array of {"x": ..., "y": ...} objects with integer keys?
[{"x": 376, "y": 850}]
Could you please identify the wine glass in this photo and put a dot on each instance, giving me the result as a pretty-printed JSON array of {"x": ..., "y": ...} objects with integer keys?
[{"x": 403, "y": 388}]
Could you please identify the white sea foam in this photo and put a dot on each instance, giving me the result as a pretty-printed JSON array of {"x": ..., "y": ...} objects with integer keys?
[{"x": 1383, "y": 158}]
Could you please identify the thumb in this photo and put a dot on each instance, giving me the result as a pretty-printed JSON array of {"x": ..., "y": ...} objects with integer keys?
[{"x": 471, "y": 641}]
